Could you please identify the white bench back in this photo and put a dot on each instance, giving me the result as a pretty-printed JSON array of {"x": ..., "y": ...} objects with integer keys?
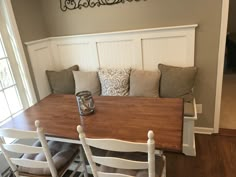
[{"x": 139, "y": 49}]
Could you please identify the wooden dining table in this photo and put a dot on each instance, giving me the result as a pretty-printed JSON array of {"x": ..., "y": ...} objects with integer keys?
[{"x": 125, "y": 118}]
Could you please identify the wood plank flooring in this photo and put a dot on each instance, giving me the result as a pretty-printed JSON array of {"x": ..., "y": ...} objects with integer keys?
[
  {"x": 228, "y": 103},
  {"x": 216, "y": 157}
]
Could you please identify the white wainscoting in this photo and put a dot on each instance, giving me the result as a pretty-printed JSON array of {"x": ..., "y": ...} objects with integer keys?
[
  {"x": 140, "y": 49},
  {"x": 41, "y": 60}
]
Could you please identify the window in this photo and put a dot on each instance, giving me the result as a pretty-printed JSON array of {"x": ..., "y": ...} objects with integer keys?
[
  {"x": 16, "y": 89},
  {"x": 10, "y": 102}
]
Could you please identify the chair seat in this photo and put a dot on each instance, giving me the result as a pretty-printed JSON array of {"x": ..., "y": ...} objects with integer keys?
[
  {"x": 137, "y": 156},
  {"x": 62, "y": 155}
]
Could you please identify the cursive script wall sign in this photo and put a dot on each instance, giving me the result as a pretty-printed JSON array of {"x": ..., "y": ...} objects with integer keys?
[{"x": 79, "y": 4}]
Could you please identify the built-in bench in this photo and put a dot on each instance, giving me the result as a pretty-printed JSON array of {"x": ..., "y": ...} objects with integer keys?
[{"x": 138, "y": 49}]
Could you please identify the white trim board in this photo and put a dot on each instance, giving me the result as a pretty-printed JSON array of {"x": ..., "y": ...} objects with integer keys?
[
  {"x": 115, "y": 33},
  {"x": 203, "y": 130},
  {"x": 220, "y": 67}
]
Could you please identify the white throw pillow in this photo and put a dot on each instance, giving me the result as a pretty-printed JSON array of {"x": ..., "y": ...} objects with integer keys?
[
  {"x": 87, "y": 81},
  {"x": 144, "y": 83},
  {"x": 114, "y": 82}
]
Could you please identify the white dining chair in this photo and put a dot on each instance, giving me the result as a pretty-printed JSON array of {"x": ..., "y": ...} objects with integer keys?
[
  {"x": 124, "y": 158},
  {"x": 44, "y": 158}
]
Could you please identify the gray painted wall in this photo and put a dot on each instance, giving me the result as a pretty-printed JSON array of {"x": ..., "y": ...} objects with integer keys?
[
  {"x": 148, "y": 14},
  {"x": 31, "y": 25}
]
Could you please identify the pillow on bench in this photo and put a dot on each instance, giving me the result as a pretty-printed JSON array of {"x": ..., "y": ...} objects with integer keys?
[
  {"x": 87, "y": 81},
  {"x": 177, "y": 82},
  {"x": 62, "y": 81},
  {"x": 144, "y": 83},
  {"x": 114, "y": 82}
]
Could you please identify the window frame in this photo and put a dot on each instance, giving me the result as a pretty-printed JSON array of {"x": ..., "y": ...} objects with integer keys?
[{"x": 17, "y": 60}]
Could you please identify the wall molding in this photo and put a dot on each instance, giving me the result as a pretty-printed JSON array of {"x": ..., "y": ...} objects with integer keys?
[
  {"x": 220, "y": 67},
  {"x": 204, "y": 130},
  {"x": 127, "y": 32}
]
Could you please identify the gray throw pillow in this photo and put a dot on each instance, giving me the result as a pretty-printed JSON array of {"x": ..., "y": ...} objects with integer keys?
[
  {"x": 87, "y": 81},
  {"x": 144, "y": 83},
  {"x": 177, "y": 82},
  {"x": 114, "y": 82},
  {"x": 62, "y": 81}
]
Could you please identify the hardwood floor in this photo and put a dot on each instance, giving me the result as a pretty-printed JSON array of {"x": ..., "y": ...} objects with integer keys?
[
  {"x": 216, "y": 157},
  {"x": 228, "y": 103},
  {"x": 227, "y": 132}
]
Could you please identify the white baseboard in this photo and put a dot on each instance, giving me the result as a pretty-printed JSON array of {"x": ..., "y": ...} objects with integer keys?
[{"x": 203, "y": 130}]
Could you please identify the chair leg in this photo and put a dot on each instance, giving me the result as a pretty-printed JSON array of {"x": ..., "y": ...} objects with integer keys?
[
  {"x": 164, "y": 168},
  {"x": 75, "y": 170},
  {"x": 80, "y": 163},
  {"x": 83, "y": 161}
]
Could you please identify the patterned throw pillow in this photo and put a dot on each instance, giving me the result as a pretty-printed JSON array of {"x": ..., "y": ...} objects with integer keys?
[{"x": 114, "y": 82}]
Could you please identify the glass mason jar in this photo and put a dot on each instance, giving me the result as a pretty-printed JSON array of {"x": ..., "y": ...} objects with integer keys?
[{"x": 85, "y": 103}]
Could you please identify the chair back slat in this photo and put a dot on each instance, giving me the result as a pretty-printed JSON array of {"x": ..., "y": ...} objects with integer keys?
[
  {"x": 103, "y": 174},
  {"x": 18, "y": 134},
  {"x": 117, "y": 145},
  {"x": 29, "y": 163},
  {"x": 115, "y": 162},
  {"x": 20, "y": 148}
]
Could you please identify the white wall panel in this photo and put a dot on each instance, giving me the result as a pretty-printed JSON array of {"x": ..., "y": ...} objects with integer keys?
[
  {"x": 116, "y": 54},
  {"x": 41, "y": 61},
  {"x": 172, "y": 51},
  {"x": 80, "y": 54}
]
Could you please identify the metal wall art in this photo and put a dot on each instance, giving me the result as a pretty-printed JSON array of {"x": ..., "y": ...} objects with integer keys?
[{"x": 79, "y": 4}]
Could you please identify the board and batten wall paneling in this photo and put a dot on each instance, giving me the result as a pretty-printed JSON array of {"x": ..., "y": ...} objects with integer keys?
[
  {"x": 68, "y": 55},
  {"x": 180, "y": 47},
  {"x": 42, "y": 60},
  {"x": 158, "y": 45},
  {"x": 119, "y": 54},
  {"x": 138, "y": 49}
]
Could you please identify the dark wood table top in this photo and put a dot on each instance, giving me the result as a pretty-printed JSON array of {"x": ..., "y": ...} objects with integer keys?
[{"x": 125, "y": 118}]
